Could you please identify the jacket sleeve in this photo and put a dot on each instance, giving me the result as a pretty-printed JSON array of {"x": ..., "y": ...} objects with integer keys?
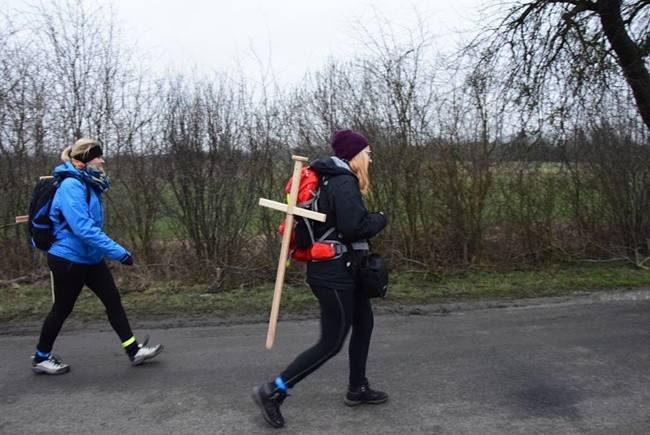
[
  {"x": 78, "y": 215},
  {"x": 353, "y": 220}
]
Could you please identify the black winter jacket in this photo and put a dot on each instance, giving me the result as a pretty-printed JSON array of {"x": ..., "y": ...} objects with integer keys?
[{"x": 340, "y": 199}]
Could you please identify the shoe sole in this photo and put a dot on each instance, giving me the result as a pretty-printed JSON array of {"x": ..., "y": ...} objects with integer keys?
[
  {"x": 140, "y": 361},
  {"x": 42, "y": 371},
  {"x": 257, "y": 398},
  {"x": 362, "y": 402}
]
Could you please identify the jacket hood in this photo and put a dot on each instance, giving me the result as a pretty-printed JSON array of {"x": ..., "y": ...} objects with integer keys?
[
  {"x": 331, "y": 166},
  {"x": 66, "y": 169}
]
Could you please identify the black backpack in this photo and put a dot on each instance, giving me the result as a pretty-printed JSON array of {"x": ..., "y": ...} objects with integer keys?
[{"x": 40, "y": 227}]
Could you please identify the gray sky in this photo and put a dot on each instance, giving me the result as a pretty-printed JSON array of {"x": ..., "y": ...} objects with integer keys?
[
  {"x": 290, "y": 36},
  {"x": 287, "y": 37}
]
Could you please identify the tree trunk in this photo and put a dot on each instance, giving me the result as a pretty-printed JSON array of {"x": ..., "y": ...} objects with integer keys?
[{"x": 628, "y": 55}]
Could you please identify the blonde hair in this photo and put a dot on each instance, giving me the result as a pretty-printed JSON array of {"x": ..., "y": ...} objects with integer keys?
[
  {"x": 359, "y": 165},
  {"x": 80, "y": 147}
]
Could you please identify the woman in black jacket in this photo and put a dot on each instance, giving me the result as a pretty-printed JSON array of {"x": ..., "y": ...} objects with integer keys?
[{"x": 334, "y": 282}]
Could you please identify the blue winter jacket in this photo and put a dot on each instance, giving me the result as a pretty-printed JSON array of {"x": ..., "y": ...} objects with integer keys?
[{"x": 78, "y": 223}]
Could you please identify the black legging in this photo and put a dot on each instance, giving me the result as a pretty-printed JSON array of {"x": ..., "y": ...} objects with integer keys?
[
  {"x": 69, "y": 279},
  {"x": 340, "y": 310}
]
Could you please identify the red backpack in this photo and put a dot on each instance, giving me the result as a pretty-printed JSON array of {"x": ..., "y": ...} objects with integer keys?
[{"x": 303, "y": 245}]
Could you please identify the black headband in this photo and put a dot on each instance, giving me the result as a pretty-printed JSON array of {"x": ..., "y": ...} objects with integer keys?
[{"x": 90, "y": 154}]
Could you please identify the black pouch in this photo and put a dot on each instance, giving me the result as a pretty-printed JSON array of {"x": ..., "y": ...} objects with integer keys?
[{"x": 373, "y": 276}]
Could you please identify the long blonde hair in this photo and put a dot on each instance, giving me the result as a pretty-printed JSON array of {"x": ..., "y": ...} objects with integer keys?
[
  {"x": 359, "y": 165},
  {"x": 80, "y": 148}
]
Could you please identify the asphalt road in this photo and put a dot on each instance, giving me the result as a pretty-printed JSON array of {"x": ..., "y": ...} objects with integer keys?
[{"x": 558, "y": 366}]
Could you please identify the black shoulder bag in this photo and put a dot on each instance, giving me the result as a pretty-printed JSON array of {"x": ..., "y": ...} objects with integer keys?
[{"x": 373, "y": 276}]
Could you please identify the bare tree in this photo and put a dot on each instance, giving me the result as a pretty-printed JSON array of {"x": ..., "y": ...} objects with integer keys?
[
  {"x": 207, "y": 171},
  {"x": 139, "y": 183},
  {"x": 571, "y": 50},
  {"x": 610, "y": 192},
  {"x": 84, "y": 64},
  {"x": 23, "y": 106}
]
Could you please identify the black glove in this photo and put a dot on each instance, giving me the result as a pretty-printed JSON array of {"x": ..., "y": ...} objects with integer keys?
[{"x": 127, "y": 259}]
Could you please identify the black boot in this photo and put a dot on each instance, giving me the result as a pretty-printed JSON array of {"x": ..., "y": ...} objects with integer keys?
[
  {"x": 269, "y": 400},
  {"x": 364, "y": 394}
]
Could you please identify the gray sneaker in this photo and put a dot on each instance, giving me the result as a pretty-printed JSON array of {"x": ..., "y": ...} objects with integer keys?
[
  {"x": 51, "y": 366},
  {"x": 145, "y": 352}
]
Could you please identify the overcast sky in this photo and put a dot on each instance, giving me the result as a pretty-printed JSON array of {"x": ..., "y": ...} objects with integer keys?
[{"x": 290, "y": 36}]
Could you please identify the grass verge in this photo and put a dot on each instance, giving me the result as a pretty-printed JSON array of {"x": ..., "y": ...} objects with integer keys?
[{"x": 33, "y": 301}]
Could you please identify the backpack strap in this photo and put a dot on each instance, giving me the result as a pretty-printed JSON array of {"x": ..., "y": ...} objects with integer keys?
[
  {"x": 325, "y": 234},
  {"x": 360, "y": 246}
]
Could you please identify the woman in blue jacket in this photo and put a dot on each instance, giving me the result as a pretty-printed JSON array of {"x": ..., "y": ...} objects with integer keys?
[
  {"x": 334, "y": 282},
  {"x": 76, "y": 257}
]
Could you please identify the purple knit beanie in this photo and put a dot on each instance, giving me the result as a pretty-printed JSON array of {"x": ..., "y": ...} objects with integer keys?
[{"x": 347, "y": 144}]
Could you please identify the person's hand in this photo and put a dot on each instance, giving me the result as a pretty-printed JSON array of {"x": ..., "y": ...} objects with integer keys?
[{"x": 126, "y": 259}]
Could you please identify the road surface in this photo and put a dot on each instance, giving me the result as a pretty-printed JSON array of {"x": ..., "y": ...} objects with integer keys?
[{"x": 577, "y": 365}]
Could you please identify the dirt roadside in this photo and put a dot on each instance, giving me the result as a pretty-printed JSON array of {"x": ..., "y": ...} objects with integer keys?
[{"x": 31, "y": 326}]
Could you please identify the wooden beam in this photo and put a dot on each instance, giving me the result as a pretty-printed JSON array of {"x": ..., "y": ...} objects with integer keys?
[{"x": 294, "y": 210}]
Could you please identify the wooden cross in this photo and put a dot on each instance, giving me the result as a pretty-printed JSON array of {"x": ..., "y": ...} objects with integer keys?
[
  {"x": 291, "y": 210},
  {"x": 24, "y": 219}
]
